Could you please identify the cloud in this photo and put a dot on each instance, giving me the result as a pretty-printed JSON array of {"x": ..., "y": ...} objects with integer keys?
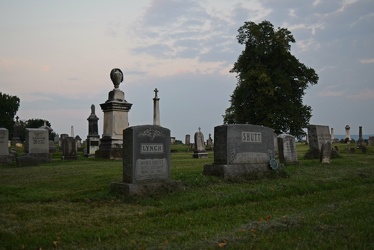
[
  {"x": 366, "y": 60},
  {"x": 366, "y": 94}
]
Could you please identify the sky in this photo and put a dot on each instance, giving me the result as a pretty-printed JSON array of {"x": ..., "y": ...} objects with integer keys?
[{"x": 56, "y": 56}]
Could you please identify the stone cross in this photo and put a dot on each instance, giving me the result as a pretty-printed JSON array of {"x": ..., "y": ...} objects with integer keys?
[{"x": 156, "y": 91}]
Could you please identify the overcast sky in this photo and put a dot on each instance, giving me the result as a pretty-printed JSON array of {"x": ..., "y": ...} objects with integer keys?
[{"x": 56, "y": 56}]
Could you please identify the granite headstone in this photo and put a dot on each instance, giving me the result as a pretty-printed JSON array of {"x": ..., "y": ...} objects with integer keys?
[
  {"x": 287, "y": 149},
  {"x": 241, "y": 149}
]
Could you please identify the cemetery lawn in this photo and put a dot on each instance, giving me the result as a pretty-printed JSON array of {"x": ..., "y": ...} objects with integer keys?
[{"x": 68, "y": 205}]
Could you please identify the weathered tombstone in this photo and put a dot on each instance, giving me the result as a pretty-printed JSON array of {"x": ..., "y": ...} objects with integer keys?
[
  {"x": 209, "y": 142},
  {"x": 156, "y": 109},
  {"x": 187, "y": 140},
  {"x": 37, "y": 144},
  {"x": 199, "y": 149},
  {"x": 241, "y": 150},
  {"x": 5, "y": 157},
  {"x": 287, "y": 149},
  {"x": 78, "y": 141},
  {"x": 146, "y": 159},
  {"x": 69, "y": 149},
  {"x": 172, "y": 140},
  {"x": 325, "y": 152},
  {"x": 62, "y": 138},
  {"x": 371, "y": 141},
  {"x": 116, "y": 110},
  {"x": 317, "y": 135}
]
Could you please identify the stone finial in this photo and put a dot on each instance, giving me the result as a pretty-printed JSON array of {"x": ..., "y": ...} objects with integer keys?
[
  {"x": 116, "y": 76},
  {"x": 92, "y": 109}
]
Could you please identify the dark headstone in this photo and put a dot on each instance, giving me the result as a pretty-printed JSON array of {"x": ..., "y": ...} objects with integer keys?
[
  {"x": 69, "y": 148},
  {"x": 146, "y": 159},
  {"x": 199, "y": 149},
  {"x": 317, "y": 135},
  {"x": 241, "y": 149}
]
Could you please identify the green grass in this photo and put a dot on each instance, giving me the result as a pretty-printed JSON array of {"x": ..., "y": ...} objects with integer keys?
[{"x": 68, "y": 205}]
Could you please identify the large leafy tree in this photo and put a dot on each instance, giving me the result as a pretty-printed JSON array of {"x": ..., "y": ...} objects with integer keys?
[
  {"x": 8, "y": 108},
  {"x": 271, "y": 81}
]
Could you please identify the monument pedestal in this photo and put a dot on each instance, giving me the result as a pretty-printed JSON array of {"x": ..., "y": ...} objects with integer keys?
[
  {"x": 115, "y": 110},
  {"x": 200, "y": 154},
  {"x": 235, "y": 171},
  {"x": 130, "y": 189}
]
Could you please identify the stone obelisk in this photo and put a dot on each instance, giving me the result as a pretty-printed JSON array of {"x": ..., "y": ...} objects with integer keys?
[
  {"x": 156, "y": 109},
  {"x": 116, "y": 110}
]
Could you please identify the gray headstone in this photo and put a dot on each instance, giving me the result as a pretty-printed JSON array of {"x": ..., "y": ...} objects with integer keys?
[
  {"x": 287, "y": 149},
  {"x": 146, "y": 154},
  {"x": 199, "y": 149},
  {"x": 69, "y": 148},
  {"x": 187, "y": 139},
  {"x": 37, "y": 141},
  {"x": 240, "y": 149},
  {"x": 146, "y": 159},
  {"x": 325, "y": 152},
  {"x": 317, "y": 135}
]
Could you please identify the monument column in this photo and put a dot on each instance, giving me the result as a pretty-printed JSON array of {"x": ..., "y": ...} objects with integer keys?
[
  {"x": 360, "y": 139},
  {"x": 156, "y": 109},
  {"x": 115, "y": 110},
  {"x": 93, "y": 138},
  {"x": 347, "y": 133}
]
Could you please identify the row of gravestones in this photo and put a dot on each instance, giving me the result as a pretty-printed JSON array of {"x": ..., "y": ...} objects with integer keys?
[
  {"x": 37, "y": 148},
  {"x": 239, "y": 150}
]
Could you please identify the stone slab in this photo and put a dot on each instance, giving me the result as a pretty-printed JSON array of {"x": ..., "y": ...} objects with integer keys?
[
  {"x": 36, "y": 140},
  {"x": 4, "y": 141},
  {"x": 146, "y": 154}
]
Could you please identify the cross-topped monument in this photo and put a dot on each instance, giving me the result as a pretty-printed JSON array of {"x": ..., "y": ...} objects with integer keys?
[{"x": 156, "y": 109}]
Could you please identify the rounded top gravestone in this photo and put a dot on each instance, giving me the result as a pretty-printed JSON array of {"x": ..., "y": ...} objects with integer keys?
[{"x": 116, "y": 76}]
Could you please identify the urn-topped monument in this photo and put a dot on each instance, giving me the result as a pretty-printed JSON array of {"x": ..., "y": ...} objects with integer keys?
[{"x": 115, "y": 110}]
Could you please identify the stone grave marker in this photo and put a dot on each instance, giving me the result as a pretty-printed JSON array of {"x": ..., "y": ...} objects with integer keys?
[
  {"x": 187, "y": 139},
  {"x": 325, "y": 155},
  {"x": 69, "y": 149},
  {"x": 317, "y": 135},
  {"x": 146, "y": 159},
  {"x": 287, "y": 149},
  {"x": 199, "y": 149},
  {"x": 5, "y": 157},
  {"x": 241, "y": 149},
  {"x": 37, "y": 144}
]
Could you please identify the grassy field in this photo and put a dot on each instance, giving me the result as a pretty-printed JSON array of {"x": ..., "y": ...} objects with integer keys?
[{"x": 68, "y": 205}]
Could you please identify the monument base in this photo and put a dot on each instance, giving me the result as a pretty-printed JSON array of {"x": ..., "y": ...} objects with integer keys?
[
  {"x": 237, "y": 171},
  {"x": 130, "y": 189},
  {"x": 112, "y": 154},
  {"x": 6, "y": 159},
  {"x": 42, "y": 157},
  {"x": 110, "y": 149},
  {"x": 199, "y": 154}
]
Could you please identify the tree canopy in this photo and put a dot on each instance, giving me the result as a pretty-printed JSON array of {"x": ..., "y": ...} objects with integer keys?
[
  {"x": 271, "y": 81},
  {"x": 8, "y": 109}
]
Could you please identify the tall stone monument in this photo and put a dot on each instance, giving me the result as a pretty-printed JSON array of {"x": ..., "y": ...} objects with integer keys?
[
  {"x": 116, "y": 110},
  {"x": 16, "y": 128},
  {"x": 360, "y": 142},
  {"x": 347, "y": 133},
  {"x": 93, "y": 137},
  {"x": 156, "y": 109},
  {"x": 199, "y": 150}
]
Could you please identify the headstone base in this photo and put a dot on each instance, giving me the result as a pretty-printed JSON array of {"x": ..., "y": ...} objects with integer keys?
[
  {"x": 236, "y": 171},
  {"x": 130, "y": 189},
  {"x": 5, "y": 159},
  {"x": 112, "y": 154},
  {"x": 198, "y": 154},
  {"x": 42, "y": 157}
]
